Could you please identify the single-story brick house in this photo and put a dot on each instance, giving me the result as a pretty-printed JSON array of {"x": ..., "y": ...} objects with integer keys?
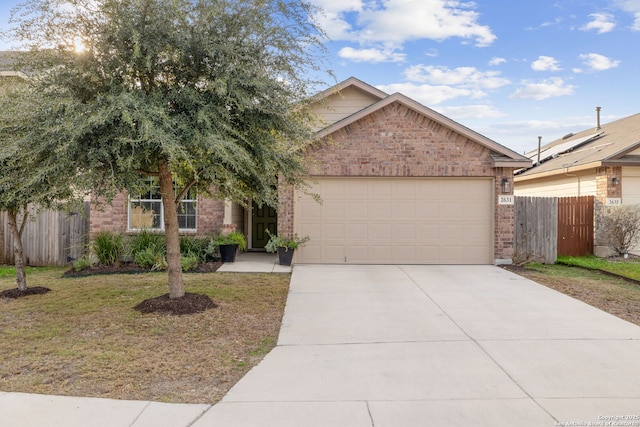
[
  {"x": 602, "y": 161},
  {"x": 399, "y": 183}
]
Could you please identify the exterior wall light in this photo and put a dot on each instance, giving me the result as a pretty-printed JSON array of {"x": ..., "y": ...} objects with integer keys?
[
  {"x": 506, "y": 186},
  {"x": 615, "y": 180}
]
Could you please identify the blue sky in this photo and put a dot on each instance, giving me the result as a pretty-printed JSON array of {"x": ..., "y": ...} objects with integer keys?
[{"x": 510, "y": 70}]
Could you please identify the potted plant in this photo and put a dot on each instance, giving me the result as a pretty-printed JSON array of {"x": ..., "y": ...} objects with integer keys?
[
  {"x": 284, "y": 246},
  {"x": 229, "y": 244}
]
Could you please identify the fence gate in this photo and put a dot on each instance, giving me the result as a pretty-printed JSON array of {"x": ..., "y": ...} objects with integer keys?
[{"x": 575, "y": 226}]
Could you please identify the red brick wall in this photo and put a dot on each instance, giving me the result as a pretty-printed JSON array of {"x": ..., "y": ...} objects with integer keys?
[
  {"x": 114, "y": 216},
  {"x": 396, "y": 141}
]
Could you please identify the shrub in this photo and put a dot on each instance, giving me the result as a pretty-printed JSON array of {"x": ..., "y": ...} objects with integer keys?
[
  {"x": 189, "y": 262},
  {"x": 83, "y": 263},
  {"x": 151, "y": 257},
  {"x": 108, "y": 247},
  {"x": 194, "y": 246},
  {"x": 146, "y": 239},
  {"x": 621, "y": 225}
]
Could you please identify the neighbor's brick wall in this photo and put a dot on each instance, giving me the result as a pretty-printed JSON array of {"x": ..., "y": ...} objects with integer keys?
[
  {"x": 605, "y": 189},
  {"x": 114, "y": 216},
  {"x": 396, "y": 141}
]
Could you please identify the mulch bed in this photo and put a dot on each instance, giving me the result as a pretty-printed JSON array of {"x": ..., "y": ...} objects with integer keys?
[
  {"x": 17, "y": 293},
  {"x": 132, "y": 268},
  {"x": 188, "y": 304}
]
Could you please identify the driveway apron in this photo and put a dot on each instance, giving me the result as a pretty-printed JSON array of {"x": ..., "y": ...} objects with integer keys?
[{"x": 437, "y": 345}]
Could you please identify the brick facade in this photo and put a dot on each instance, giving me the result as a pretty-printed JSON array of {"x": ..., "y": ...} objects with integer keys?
[
  {"x": 114, "y": 216},
  {"x": 605, "y": 188},
  {"x": 396, "y": 141}
]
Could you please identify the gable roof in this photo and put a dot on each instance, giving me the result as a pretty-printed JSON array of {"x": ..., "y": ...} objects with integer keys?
[
  {"x": 611, "y": 145},
  {"x": 501, "y": 155},
  {"x": 350, "y": 82}
]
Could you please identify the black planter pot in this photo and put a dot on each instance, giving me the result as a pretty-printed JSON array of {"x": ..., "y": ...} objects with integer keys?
[
  {"x": 285, "y": 256},
  {"x": 228, "y": 253}
]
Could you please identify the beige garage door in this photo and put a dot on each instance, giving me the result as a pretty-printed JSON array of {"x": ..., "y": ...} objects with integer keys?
[{"x": 397, "y": 221}]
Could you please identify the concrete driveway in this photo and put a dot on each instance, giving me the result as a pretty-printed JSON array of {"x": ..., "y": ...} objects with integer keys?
[{"x": 437, "y": 345}]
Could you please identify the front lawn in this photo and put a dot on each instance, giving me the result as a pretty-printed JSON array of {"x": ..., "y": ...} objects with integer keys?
[
  {"x": 85, "y": 339},
  {"x": 629, "y": 267}
]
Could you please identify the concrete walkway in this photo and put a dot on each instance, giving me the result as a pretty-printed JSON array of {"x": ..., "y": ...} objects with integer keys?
[
  {"x": 255, "y": 262},
  {"x": 407, "y": 346}
]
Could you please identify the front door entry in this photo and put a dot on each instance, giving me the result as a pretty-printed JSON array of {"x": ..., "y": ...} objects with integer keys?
[{"x": 263, "y": 218}]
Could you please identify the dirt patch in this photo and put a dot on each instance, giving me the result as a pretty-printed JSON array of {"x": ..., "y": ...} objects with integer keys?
[
  {"x": 188, "y": 304},
  {"x": 17, "y": 293}
]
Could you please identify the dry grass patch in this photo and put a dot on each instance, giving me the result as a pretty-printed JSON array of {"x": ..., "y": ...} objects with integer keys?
[
  {"x": 613, "y": 295},
  {"x": 85, "y": 339}
]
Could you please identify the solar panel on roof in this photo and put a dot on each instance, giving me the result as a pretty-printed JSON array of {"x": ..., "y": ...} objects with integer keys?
[{"x": 558, "y": 149}]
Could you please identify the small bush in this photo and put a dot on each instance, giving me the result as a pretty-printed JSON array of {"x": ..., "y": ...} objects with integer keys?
[
  {"x": 189, "y": 262},
  {"x": 146, "y": 239},
  {"x": 83, "y": 263},
  {"x": 621, "y": 225},
  {"x": 151, "y": 257},
  {"x": 194, "y": 246},
  {"x": 108, "y": 247}
]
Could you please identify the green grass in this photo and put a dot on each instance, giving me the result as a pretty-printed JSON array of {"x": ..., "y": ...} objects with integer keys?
[
  {"x": 10, "y": 271},
  {"x": 628, "y": 268}
]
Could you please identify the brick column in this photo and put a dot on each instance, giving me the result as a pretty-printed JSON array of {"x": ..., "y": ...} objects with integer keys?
[{"x": 504, "y": 219}]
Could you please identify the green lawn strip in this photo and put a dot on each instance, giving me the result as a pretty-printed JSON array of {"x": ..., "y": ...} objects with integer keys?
[
  {"x": 84, "y": 338},
  {"x": 627, "y": 268}
]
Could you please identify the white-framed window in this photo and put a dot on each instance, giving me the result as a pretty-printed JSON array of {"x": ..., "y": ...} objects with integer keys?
[{"x": 146, "y": 211}]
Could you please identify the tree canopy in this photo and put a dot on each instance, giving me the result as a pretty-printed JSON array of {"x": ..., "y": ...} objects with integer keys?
[
  {"x": 209, "y": 92},
  {"x": 35, "y": 172}
]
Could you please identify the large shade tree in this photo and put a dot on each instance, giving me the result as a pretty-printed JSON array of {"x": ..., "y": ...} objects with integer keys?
[
  {"x": 35, "y": 172},
  {"x": 209, "y": 94}
]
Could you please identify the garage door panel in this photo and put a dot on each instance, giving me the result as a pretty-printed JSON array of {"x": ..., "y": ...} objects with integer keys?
[
  {"x": 333, "y": 231},
  {"x": 398, "y": 220},
  {"x": 357, "y": 210}
]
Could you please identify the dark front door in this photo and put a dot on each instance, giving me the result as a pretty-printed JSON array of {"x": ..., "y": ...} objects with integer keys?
[{"x": 263, "y": 218}]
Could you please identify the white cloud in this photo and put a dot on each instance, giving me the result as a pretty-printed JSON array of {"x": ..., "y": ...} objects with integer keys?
[
  {"x": 370, "y": 22},
  {"x": 496, "y": 61},
  {"x": 469, "y": 77},
  {"x": 632, "y": 7},
  {"x": 371, "y": 55},
  {"x": 545, "y": 63},
  {"x": 601, "y": 22},
  {"x": 598, "y": 62},
  {"x": 428, "y": 94},
  {"x": 544, "y": 89}
]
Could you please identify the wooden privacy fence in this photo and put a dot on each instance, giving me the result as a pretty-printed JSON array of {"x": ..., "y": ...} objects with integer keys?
[
  {"x": 536, "y": 229},
  {"x": 546, "y": 227},
  {"x": 575, "y": 226},
  {"x": 51, "y": 238}
]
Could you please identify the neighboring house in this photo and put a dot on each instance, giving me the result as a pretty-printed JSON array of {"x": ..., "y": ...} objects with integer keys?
[
  {"x": 399, "y": 183},
  {"x": 602, "y": 161}
]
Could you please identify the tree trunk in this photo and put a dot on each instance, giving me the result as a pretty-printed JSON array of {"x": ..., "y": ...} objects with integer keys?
[
  {"x": 18, "y": 252},
  {"x": 171, "y": 229}
]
